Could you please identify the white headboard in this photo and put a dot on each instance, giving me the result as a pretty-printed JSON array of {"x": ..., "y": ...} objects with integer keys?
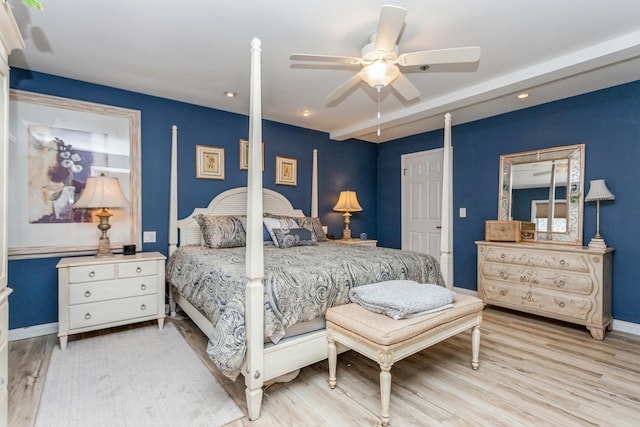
[{"x": 233, "y": 202}]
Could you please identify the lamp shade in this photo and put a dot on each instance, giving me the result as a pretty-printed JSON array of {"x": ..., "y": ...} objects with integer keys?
[
  {"x": 347, "y": 202},
  {"x": 598, "y": 191},
  {"x": 102, "y": 192},
  {"x": 379, "y": 74}
]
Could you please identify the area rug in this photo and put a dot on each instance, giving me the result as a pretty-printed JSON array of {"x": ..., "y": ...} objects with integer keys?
[{"x": 139, "y": 377}]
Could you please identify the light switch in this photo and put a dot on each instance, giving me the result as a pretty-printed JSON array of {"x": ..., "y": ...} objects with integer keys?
[
  {"x": 463, "y": 212},
  {"x": 149, "y": 237}
]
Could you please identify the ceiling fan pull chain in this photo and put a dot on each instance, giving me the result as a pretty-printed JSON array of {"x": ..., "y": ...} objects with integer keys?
[{"x": 378, "y": 111}]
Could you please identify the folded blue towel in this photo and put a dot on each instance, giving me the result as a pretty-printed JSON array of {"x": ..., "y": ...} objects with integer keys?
[{"x": 400, "y": 299}]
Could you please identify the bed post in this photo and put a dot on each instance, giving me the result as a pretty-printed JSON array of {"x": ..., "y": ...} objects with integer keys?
[
  {"x": 173, "y": 207},
  {"x": 314, "y": 185},
  {"x": 446, "y": 238},
  {"x": 254, "y": 311}
]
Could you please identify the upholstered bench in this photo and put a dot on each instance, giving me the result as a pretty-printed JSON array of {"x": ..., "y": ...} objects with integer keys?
[{"x": 386, "y": 340}]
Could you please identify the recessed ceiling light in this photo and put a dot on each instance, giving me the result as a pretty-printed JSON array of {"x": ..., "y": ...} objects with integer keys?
[
  {"x": 305, "y": 113},
  {"x": 230, "y": 94},
  {"x": 523, "y": 95}
]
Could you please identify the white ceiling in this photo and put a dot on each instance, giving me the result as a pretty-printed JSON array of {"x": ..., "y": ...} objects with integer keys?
[{"x": 195, "y": 50}]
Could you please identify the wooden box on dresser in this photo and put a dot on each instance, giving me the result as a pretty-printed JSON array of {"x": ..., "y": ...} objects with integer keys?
[
  {"x": 10, "y": 39},
  {"x": 98, "y": 293},
  {"x": 569, "y": 283}
]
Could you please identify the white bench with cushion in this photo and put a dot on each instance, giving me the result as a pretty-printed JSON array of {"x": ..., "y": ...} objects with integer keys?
[{"x": 386, "y": 340}]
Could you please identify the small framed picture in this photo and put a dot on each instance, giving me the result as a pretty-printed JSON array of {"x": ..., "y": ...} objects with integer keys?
[
  {"x": 209, "y": 162},
  {"x": 244, "y": 155},
  {"x": 286, "y": 171}
]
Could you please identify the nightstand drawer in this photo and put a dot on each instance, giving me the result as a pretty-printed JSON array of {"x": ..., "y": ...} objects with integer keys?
[
  {"x": 135, "y": 269},
  {"x": 100, "y": 291},
  {"x": 86, "y": 315},
  {"x": 92, "y": 273}
]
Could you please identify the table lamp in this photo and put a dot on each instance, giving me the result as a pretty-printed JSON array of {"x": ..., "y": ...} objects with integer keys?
[
  {"x": 347, "y": 203},
  {"x": 102, "y": 192},
  {"x": 598, "y": 191}
]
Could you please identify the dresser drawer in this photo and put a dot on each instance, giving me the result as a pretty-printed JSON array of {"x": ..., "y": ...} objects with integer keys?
[
  {"x": 92, "y": 273},
  {"x": 135, "y": 269},
  {"x": 82, "y": 293},
  {"x": 86, "y": 315},
  {"x": 576, "y": 283},
  {"x": 537, "y": 301},
  {"x": 4, "y": 321},
  {"x": 533, "y": 258}
]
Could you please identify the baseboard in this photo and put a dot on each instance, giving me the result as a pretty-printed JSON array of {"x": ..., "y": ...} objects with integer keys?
[
  {"x": 616, "y": 325},
  {"x": 622, "y": 326},
  {"x": 33, "y": 331},
  {"x": 52, "y": 328}
]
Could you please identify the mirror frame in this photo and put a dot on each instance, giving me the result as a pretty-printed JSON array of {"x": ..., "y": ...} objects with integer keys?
[{"x": 575, "y": 187}]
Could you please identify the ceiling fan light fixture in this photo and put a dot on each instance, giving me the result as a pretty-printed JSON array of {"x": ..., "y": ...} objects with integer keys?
[{"x": 379, "y": 74}]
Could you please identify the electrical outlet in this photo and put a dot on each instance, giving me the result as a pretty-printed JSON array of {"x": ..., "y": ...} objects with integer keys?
[{"x": 149, "y": 237}]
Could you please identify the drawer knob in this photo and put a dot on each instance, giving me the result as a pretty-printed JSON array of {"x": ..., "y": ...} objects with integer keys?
[
  {"x": 503, "y": 293},
  {"x": 87, "y": 294},
  {"x": 87, "y": 316},
  {"x": 143, "y": 287},
  {"x": 143, "y": 307},
  {"x": 139, "y": 270},
  {"x": 92, "y": 274},
  {"x": 561, "y": 304}
]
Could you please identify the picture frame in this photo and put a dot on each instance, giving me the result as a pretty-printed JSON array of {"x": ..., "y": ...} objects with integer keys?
[
  {"x": 244, "y": 155},
  {"x": 56, "y": 143},
  {"x": 286, "y": 171},
  {"x": 209, "y": 162}
]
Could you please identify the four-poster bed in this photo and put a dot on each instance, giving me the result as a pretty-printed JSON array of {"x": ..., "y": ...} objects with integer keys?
[{"x": 262, "y": 310}]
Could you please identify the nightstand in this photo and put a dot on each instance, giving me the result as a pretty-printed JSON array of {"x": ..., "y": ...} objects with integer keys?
[
  {"x": 98, "y": 293},
  {"x": 357, "y": 242}
]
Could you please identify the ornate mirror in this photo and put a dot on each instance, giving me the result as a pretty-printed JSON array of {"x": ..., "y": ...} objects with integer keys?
[{"x": 545, "y": 187}]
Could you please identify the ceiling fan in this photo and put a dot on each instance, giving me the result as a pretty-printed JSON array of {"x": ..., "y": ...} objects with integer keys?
[{"x": 380, "y": 59}]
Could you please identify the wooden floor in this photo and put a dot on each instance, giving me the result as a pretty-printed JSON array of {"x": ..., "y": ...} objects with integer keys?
[{"x": 533, "y": 372}]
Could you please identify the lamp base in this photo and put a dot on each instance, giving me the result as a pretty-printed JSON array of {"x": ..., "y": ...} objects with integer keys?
[
  {"x": 346, "y": 234},
  {"x": 597, "y": 243},
  {"x": 104, "y": 248}
]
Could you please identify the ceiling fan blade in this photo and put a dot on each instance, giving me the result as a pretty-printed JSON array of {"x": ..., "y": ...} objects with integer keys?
[
  {"x": 405, "y": 87},
  {"x": 325, "y": 58},
  {"x": 389, "y": 27},
  {"x": 343, "y": 88},
  {"x": 440, "y": 56}
]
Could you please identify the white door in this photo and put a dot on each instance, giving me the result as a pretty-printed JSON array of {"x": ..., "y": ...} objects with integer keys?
[{"x": 422, "y": 201}]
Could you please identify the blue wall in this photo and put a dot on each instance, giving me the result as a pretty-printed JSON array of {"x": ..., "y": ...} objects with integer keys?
[
  {"x": 607, "y": 121},
  {"x": 341, "y": 165}
]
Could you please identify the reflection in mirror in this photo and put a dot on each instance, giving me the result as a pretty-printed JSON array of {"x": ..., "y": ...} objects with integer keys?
[{"x": 545, "y": 187}]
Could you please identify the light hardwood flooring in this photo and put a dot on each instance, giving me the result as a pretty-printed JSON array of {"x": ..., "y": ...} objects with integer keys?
[{"x": 533, "y": 372}]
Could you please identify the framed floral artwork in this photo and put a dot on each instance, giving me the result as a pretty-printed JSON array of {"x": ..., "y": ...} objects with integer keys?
[
  {"x": 286, "y": 171},
  {"x": 56, "y": 144},
  {"x": 244, "y": 155},
  {"x": 209, "y": 162}
]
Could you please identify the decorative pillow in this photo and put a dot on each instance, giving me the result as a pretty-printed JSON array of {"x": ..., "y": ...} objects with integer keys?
[
  {"x": 222, "y": 231},
  {"x": 315, "y": 225},
  {"x": 282, "y": 223},
  {"x": 288, "y": 238},
  {"x": 266, "y": 237}
]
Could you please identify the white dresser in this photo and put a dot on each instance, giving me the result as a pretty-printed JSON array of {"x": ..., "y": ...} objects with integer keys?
[
  {"x": 9, "y": 39},
  {"x": 569, "y": 283},
  {"x": 97, "y": 293}
]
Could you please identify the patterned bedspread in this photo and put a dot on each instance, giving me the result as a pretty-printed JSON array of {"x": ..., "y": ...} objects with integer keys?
[{"x": 300, "y": 283}]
